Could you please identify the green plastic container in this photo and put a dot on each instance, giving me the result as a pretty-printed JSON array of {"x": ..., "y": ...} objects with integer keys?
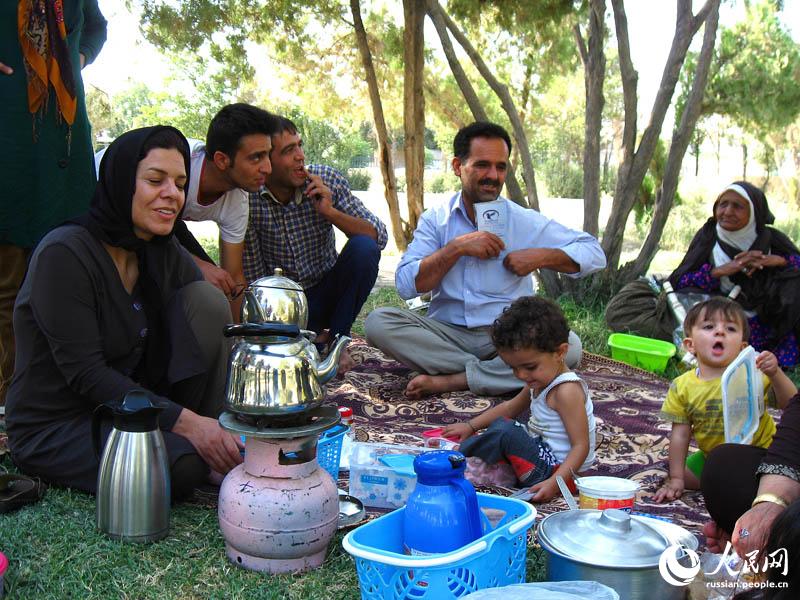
[{"x": 645, "y": 353}]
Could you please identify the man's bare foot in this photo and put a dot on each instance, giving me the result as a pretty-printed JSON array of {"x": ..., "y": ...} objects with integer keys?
[
  {"x": 346, "y": 362},
  {"x": 425, "y": 385},
  {"x": 716, "y": 538}
]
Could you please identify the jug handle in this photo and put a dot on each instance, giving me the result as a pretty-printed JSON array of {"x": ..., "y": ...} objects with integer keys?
[
  {"x": 97, "y": 419},
  {"x": 473, "y": 511}
]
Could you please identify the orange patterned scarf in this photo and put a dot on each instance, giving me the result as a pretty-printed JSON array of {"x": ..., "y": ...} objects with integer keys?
[{"x": 43, "y": 38}]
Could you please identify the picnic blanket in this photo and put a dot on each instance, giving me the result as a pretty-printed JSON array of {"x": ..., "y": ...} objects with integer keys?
[{"x": 631, "y": 439}]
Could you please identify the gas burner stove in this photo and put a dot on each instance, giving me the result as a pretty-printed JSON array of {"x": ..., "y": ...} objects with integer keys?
[
  {"x": 301, "y": 424},
  {"x": 279, "y": 510}
]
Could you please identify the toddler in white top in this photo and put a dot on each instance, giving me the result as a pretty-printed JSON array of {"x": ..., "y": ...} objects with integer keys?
[{"x": 559, "y": 439}]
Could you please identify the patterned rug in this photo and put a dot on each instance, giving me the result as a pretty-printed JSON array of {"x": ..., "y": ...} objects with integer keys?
[{"x": 631, "y": 440}]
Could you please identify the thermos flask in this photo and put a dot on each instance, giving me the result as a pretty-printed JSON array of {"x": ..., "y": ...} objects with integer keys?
[{"x": 133, "y": 484}]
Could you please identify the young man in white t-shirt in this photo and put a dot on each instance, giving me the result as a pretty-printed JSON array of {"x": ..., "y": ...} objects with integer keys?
[{"x": 233, "y": 161}]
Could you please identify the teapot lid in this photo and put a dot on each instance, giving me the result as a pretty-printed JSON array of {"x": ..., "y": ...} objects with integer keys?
[
  {"x": 277, "y": 280},
  {"x": 608, "y": 538},
  {"x": 136, "y": 412},
  {"x": 440, "y": 464}
]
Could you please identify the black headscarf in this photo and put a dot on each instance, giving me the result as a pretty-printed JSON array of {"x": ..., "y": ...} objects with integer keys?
[
  {"x": 773, "y": 293},
  {"x": 110, "y": 220}
]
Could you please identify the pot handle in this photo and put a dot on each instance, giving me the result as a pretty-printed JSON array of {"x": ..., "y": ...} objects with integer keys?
[{"x": 268, "y": 328}]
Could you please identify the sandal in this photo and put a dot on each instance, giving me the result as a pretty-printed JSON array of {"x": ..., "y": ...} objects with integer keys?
[{"x": 17, "y": 491}]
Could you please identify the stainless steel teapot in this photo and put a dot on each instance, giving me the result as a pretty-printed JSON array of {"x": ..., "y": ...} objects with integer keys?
[
  {"x": 275, "y": 298},
  {"x": 273, "y": 371}
]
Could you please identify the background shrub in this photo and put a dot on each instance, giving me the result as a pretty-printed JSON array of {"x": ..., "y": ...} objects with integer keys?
[
  {"x": 564, "y": 180},
  {"x": 359, "y": 179}
]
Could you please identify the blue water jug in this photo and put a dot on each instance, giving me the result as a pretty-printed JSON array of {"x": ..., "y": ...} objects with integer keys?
[{"x": 442, "y": 512}]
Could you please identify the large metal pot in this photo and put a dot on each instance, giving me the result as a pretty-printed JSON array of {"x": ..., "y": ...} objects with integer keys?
[
  {"x": 275, "y": 298},
  {"x": 272, "y": 372},
  {"x": 613, "y": 548}
]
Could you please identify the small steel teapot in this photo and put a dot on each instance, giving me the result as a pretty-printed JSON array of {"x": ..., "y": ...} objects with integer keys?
[
  {"x": 275, "y": 298},
  {"x": 272, "y": 371}
]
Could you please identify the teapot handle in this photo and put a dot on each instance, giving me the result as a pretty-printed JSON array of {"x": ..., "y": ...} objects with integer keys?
[
  {"x": 97, "y": 419},
  {"x": 471, "y": 501},
  {"x": 268, "y": 328}
]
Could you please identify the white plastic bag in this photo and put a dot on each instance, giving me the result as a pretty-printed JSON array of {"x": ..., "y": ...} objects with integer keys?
[{"x": 547, "y": 590}]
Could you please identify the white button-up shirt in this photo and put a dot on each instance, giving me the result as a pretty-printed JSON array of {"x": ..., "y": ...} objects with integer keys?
[{"x": 475, "y": 291}]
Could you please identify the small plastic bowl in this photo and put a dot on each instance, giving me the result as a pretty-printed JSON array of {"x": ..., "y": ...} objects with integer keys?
[{"x": 434, "y": 438}]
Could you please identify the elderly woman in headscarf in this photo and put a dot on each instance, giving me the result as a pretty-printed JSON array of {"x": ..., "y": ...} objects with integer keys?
[
  {"x": 112, "y": 303},
  {"x": 736, "y": 246}
]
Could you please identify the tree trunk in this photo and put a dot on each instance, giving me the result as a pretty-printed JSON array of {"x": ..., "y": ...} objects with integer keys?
[
  {"x": 400, "y": 232},
  {"x": 637, "y": 159},
  {"x": 473, "y": 102},
  {"x": 594, "y": 70},
  {"x": 744, "y": 160},
  {"x": 414, "y": 106},
  {"x": 697, "y": 161},
  {"x": 507, "y": 102},
  {"x": 665, "y": 197}
]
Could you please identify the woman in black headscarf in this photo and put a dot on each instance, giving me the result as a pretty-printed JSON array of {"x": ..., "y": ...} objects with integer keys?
[
  {"x": 112, "y": 303},
  {"x": 736, "y": 247}
]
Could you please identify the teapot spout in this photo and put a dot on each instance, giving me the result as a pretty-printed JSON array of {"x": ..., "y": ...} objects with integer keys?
[
  {"x": 327, "y": 368},
  {"x": 251, "y": 311}
]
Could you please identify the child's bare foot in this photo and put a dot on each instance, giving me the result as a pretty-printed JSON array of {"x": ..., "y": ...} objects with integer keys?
[
  {"x": 425, "y": 385},
  {"x": 716, "y": 538}
]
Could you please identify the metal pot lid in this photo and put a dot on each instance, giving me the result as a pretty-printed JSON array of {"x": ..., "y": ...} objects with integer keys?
[
  {"x": 609, "y": 538},
  {"x": 278, "y": 280}
]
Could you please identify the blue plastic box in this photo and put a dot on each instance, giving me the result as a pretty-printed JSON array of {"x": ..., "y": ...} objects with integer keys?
[{"x": 496, "y": 559}]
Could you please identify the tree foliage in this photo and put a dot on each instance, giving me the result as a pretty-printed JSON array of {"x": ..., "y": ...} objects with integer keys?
[{"x": 755, "y": 75}]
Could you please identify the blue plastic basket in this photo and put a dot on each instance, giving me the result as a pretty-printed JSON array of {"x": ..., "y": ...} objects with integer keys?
[
  {"x": 329, "y": 449},
  {"x": 496, "y": 559}
]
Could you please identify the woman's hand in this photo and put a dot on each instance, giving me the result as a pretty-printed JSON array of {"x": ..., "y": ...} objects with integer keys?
[
  {"x": 752, "y": 261},
  {"x": 460, "y": 430},
  {"x": 773, "y": 260},
  {"x": 753, "y": 527},
  {"x": 218, "y": 448},
  {"x": 5, "y": 69},
  {"x": 728, "y": 269}
]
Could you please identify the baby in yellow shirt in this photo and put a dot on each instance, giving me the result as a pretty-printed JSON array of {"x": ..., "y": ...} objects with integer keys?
[{"x": 717, "y": 331}]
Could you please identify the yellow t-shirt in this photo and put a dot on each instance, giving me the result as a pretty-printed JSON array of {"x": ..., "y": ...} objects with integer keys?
[{"x": 699, "y": 403}]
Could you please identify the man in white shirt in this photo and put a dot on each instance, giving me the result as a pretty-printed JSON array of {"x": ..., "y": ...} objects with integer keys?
[
  {"x": 473, "y": 275},
  {"x": 233, "y": 161}
]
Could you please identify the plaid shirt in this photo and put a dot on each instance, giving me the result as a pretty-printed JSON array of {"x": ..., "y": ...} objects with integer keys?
[{"x": 294, "y": 236}]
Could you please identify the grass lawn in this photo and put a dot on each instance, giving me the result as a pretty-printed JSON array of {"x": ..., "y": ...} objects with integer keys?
[{"x": 55, "y": 551}]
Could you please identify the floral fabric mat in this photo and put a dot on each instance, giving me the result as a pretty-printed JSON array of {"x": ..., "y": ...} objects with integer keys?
[{"x": 632, "y": 441}]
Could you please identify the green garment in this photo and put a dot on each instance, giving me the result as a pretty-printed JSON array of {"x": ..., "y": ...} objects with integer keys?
[{"x": 47, "y": 180}]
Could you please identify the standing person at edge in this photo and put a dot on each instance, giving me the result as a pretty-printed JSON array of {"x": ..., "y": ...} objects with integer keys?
[
  {"x": 233, "y": 161},
  {"x": 452, "y": 346},
  {"x": 291, "y": 227},
  {"x": 46, "y": 163}
]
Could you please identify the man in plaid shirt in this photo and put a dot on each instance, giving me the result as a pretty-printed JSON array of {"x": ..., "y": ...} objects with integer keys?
[{"x": 291, "y": 227}]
